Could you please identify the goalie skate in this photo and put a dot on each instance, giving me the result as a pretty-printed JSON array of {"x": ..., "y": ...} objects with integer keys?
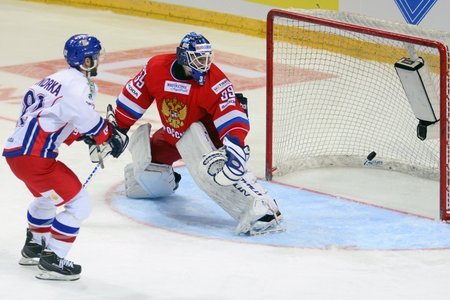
[
  {"x": 266, "y": 224},
  {"x": 246, "y": 201},
  {"x": 263, "y": 215}
]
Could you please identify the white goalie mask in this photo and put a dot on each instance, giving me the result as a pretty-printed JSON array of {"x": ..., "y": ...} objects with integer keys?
[{"x": 195, "y": 53}]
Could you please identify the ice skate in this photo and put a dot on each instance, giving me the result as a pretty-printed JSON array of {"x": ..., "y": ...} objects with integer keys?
[
  {"x": 267, "y": 224},
  {"x": 31, "y": 251},
  {"x": 53, "y": 267},
  {"x": 262, "y": 219}
]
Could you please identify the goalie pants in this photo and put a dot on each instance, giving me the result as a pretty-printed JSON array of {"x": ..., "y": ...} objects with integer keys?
[
  {"x": 166, "y": 153},
  {"x": 54, "y": 185}
]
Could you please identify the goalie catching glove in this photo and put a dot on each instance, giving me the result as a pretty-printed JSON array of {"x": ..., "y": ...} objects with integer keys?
[
  {"x": 115, "y": 145},
  {"x": 228, "y": 165}
]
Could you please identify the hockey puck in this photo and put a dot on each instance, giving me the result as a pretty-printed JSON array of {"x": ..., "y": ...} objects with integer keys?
[{"x": 371, "y": 155}]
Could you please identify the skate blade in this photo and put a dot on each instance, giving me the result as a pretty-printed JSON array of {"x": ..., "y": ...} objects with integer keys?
[
  {"x": 49, "y": 275},
  {"x": 260, "y": 228},
  {"x": 28, "y": 261},
  {"x": 271, "y": 230}
]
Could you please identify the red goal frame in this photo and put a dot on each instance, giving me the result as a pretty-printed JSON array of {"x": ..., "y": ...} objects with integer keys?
[{"x": 444, "y": 192}]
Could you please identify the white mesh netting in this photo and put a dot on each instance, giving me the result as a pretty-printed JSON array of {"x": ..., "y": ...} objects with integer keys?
[{"x": 337, "y": 96}]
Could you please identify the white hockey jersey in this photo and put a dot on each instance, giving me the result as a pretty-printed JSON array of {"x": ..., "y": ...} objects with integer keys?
[{"x": 52, "y": 110}]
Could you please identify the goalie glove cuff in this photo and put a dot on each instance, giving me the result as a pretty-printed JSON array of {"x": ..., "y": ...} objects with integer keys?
[
  {"x": 227, "y": 166},
  {"x": 237, "y": 156}
]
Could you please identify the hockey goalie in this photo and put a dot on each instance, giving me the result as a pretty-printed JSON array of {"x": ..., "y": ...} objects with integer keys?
[
  {"x": 244, "y": 199},
  {"x": 205, "y": 124}
]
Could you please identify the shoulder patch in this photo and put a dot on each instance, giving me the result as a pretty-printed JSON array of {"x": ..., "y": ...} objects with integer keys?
[
  {"x": 221, "y": 85},
  {"x": 177, "y": 87},
  {"x": 135, "y": 92}
]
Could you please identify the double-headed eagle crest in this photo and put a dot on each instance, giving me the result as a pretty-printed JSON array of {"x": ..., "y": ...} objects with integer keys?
[{"x": 174, "y": 111}]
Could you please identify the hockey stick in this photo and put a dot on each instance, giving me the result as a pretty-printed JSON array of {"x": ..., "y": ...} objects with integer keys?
[
  {"x": 99, "y": 164},
  {"x": 100, "y": 157}
]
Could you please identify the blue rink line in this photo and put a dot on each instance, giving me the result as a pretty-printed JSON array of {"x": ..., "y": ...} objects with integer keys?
[{"x": 312, "y": 220}]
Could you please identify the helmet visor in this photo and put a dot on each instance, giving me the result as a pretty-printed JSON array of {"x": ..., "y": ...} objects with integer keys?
[{"x": 200, "y": 61}]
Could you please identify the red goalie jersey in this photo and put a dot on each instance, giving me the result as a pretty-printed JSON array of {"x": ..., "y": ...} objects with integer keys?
[{"x": 182, "y": 102}]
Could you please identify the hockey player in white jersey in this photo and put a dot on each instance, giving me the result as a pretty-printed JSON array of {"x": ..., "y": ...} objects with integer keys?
[{"x": 58, "y": 109}]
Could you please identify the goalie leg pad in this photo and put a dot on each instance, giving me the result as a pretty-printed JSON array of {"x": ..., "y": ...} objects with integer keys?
[
  {"x": 263, "y": 216},
  {"x": 132, "y": 188},
  {"x": 246, "y": 201},
  {"x": 157, "y": 180},
  {"x": 154, "y": 182},
  {"x": 193, "y": 146},
  {"x": 139, "y": 147},
  {"x": 144, "y": 179}
]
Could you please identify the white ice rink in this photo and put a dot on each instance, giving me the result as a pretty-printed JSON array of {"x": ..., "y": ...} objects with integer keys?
[{"x": 126, "y": 259}]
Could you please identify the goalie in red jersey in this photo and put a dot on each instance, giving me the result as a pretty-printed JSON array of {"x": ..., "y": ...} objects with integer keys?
[{"x": 204, "y": 123}]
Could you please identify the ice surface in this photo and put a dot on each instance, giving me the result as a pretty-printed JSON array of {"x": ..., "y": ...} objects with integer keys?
[{"x": 334, "y": 249}]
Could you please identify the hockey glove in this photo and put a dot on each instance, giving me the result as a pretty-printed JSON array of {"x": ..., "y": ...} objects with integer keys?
[
  {"x": 118, "y": 142},
  {"x": 115, "y": 145},
  {"x": 119, "y": 139},
  {"x": 234, "y": 167}
]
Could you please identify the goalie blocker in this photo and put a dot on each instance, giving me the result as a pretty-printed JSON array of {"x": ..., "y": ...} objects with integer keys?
[{"x": 245, "y": 200}]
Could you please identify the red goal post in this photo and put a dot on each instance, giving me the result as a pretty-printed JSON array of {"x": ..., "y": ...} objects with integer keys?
[{"x": 333, "y": 96}]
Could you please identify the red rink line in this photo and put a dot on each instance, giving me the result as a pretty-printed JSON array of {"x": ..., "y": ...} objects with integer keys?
[
  {"x": 8, "y": 119},
  {"x": 6, "y": 94},
  {"x": 241, "y": 82}
]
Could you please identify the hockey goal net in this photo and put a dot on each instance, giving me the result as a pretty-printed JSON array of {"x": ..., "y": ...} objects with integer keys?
[{"x": 334, "y": 96}]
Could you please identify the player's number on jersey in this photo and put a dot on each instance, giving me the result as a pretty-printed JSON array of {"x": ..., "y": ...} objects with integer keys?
[
  {"x": 227, "y": 94},
  {"x": 31, "y": 102},
  {"x": 139, "y": 79}
]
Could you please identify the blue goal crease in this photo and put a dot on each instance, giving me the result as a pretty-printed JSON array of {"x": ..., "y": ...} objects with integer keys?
[{"x": 312, "y": 220}]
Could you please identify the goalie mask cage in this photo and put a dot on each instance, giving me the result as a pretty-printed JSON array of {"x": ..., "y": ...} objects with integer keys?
[{"x": 333, "y": 96}]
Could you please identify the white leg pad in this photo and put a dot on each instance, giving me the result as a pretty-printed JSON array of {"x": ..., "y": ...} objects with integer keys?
[
  {"x": 139, "y": 147},
  {"x": 132, "y": 188},
  {"x": 263, "y": 204},
  {"x": 144, "y": 179},
  {"x": 246, "y": 201}
]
